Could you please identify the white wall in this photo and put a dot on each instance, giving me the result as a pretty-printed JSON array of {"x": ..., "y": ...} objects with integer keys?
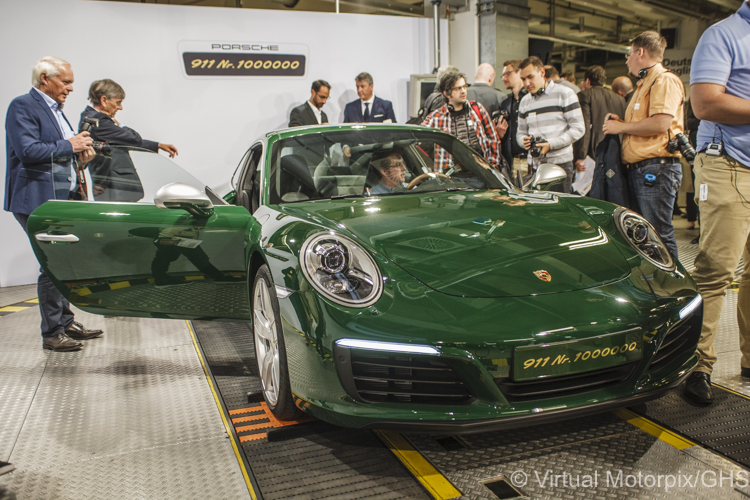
[
  {"x": 464, "y": 43},
  {"x": 212, "y": 121}
]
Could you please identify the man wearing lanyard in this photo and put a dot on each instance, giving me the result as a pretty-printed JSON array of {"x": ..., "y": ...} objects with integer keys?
[
  {"x": 720, "y": 96},
  {"x": 38, "y": 135},
  {"x": 655, "y": 114}
]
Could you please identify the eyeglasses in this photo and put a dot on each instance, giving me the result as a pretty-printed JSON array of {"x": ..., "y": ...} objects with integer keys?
[
  {"x": 507, "y": 73},
  {"x": 630, "y": 53},
  {"x": 395, "y": 164},
  {"x": 462, "y": 87}
]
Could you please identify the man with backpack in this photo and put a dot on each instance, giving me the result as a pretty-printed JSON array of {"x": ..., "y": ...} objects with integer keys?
[{"x": 467, "y": 120}]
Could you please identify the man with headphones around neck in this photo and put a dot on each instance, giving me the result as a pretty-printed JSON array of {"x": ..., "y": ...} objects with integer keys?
[
  {"x": 655, "y": 113},
  {"x": 467, "y": 120},
  {"x": 550, "y": 111}
]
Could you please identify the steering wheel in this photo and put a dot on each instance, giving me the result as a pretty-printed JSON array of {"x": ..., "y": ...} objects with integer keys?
[{"x": 423, "y": 177}]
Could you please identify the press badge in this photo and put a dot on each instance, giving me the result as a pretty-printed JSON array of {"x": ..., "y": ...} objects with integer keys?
[
  {"x": 637, "y": 106},
  {"x": 703, "y": 193}
]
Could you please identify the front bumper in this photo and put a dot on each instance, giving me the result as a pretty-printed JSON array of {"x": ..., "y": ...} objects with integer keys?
[{"x": 543, "y": 417}]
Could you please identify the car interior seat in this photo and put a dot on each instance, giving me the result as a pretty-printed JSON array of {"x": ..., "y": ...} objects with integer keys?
[{"x": 296, "y": 183}]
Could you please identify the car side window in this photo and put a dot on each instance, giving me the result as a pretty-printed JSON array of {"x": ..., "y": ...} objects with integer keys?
[
  {"x": 127, "y": 174},
  {"x": 248, "y": 194}
]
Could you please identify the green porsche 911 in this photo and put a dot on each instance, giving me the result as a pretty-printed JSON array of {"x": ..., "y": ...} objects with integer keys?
[{"x": 393, "y": 278}]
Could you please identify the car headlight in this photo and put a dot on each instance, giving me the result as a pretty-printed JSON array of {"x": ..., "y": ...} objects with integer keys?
[
  {"x": 341, "y": 270},
  {"x": 644, "y": 238}
]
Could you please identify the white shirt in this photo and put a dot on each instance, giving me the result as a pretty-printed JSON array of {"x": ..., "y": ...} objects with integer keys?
[
  {"x": 67, "y": 131},
  {"x": 65, "y": 128},
  {"x": 369, "y": 101},
  {"x": 316, "y": 111}
]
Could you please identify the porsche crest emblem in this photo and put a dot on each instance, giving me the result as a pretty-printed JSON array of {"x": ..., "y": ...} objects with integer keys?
[{"x": 543, "y": 275}]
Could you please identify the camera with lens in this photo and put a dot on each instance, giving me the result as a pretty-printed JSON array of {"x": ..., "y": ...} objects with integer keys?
[
  {"x": 100, "y": 148},
  {"x": 497, "y": 114},
  {"x": 682, "y": 143},
  {"x": 535, "y": 150}
]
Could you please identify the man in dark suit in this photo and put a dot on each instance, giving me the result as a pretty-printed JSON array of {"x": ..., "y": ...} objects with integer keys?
[
  {"x": 623, "y": 86},
  {"x": 106, "y": 97},
  {"x": 483, "y": 91},
  {"x": 368, "y": 108},
  {"x": 39, "y": 135},
  {"x": 311, "y": 112},
  {"x": 596, "y": 103}
]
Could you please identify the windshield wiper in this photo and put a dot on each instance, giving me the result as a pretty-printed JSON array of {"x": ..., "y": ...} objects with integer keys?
[{"x": 460, "y": 189}]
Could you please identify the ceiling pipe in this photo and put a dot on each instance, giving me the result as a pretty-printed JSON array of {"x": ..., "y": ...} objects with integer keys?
[
  {"x": 591, "y": 44},
  {"x": 436, "y": 24},
  {"x": 378, "y": 7}
]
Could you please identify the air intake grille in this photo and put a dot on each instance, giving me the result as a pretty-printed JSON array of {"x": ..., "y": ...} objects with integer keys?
[
  {"x": 680, "y": 341},
  {"x": 566, "y": 385},
  {"x": 405, "y": 378}
]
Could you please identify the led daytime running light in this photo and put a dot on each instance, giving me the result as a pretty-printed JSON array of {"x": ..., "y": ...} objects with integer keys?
[
  {"x": 387, "y": 346},
  {"x": 692, "y": 306}
]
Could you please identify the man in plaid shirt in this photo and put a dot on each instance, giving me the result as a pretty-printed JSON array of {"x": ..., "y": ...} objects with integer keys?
[{"x": 468, "y": 121}]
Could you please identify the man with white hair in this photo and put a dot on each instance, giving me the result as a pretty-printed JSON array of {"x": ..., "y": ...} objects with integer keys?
[
  {"x": 483, "y": 91},
  {"x": 37, "y": 135}
]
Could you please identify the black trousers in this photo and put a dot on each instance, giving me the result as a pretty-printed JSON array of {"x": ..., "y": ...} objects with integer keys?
[{"x": 54, "y": 308}]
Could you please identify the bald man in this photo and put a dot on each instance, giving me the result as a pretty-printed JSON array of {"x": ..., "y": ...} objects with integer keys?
[
  {"x": 623, "y": 86},
  {"x": 483, "y": 92}
]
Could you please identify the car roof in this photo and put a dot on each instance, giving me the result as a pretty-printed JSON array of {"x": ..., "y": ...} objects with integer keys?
[{"x": 293, "y": 131}]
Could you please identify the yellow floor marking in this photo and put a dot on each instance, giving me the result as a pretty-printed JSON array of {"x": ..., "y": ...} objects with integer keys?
[
  {"x": 654, "y": 429},
  {"x": 12, "y": 309},
  {"x": 227, "y": 425},
  {"x": 120, "y": 284},
  {"x": 430, "y": 478},
  {"x": 32, "y": 301},
  {"x": 733, "y": 392}
]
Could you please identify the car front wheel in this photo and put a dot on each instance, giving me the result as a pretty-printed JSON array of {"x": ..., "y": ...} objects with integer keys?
[{"x": 269, "y": 347}]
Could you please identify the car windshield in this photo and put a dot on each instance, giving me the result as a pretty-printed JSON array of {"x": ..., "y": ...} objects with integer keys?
[
  {"x": 375, "y": 162},
  {"x": 129, "y": 174}
]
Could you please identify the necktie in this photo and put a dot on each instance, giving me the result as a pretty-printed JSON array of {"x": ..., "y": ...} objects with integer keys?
[{"x": 367, "y": 111}]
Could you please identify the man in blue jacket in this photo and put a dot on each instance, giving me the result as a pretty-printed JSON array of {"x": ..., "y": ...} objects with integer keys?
[
  {"x": 37, "y": 135},
  {"x": 368, "y": 108}
]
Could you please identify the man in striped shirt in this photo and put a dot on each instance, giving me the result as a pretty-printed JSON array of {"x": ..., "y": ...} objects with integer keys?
[{"x": 550, "y": 111}]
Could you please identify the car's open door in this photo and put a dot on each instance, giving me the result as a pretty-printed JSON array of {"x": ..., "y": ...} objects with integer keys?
[{"x": 139, "y": 248}]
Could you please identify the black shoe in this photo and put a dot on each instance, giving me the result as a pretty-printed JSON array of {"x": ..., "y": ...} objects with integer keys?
[
  {"x": 80, "y": 332},
  {"x": 698, "y": 388},
  {"x": 6, "y": 467},
  {"x": 61, "y": 343},
  {"x": 745, "y": 372},
  {"x": 696, "y": 240}
]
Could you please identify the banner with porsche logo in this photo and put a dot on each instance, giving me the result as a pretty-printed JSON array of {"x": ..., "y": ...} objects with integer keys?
[{"x": 243, "y": 59}]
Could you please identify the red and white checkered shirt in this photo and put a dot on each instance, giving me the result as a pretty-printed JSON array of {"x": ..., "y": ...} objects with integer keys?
[{"x": 489, "y": 142}]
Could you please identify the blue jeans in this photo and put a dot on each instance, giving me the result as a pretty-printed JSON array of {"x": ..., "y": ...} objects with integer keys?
[
  {"x": 54, "y": 308},
  {"x": 657, "y": 200}
]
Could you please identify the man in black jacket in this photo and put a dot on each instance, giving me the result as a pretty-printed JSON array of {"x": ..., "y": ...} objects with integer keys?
[
  {"x": 311, "y": 111},
  {"x": 106, "y": 97},
  {"x": 514, "y": 153},
  {"x": 596, "y": 103}
]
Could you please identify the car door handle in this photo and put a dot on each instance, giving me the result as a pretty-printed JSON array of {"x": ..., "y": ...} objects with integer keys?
[{"x": 61, "y": 238}]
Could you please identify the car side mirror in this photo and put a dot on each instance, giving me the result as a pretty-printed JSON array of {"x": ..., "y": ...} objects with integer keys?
[
  {"x": 185, "y": 197},
  {"x": 546, "y": 175}
]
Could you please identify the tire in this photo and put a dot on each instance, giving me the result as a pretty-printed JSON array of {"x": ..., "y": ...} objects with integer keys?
[{"x": 270, "y": 350}]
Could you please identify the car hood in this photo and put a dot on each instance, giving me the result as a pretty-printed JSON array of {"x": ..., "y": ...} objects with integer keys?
[{"x": 482, "y": 244}]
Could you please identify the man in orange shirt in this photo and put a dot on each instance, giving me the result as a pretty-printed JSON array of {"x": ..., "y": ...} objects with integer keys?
[{"x": 653, "y": 115}]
